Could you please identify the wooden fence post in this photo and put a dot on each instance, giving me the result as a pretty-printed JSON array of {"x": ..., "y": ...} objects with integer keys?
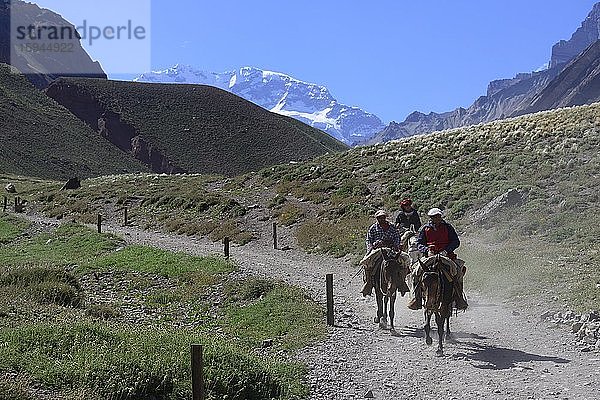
[
  {"x": 99, "y": 223},
  {"x": 226, "y": 247},
  {"x": 275, "y": 235},
  {"x": 329, "y": 287},
  {"x": 125, "y": 216},
  {"x": 197, "y": 373},
  {"x": 5, "y": 203}
]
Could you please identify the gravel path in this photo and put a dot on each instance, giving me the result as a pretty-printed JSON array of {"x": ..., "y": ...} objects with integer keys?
[{"x": 498, "y": 352}]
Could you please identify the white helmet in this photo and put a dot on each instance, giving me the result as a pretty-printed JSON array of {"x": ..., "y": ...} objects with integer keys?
[{"x": 435, "y": 211}]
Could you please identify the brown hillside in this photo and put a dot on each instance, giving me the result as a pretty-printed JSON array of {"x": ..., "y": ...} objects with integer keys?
[
  {"x": 40, "y": 138},
  {"x": 190, "y": 128}
]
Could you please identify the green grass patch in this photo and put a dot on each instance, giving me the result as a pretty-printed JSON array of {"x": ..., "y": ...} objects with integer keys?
[
  {"x": 261, "y": 310},
  {"x": 11, "y": 228},
  {"x": 67, "y": 245},
  {"x": 133, "y": 364},
  {"x": 337, "y": 238},
  {"x": 42, "y": 284},
  {"x": 160, "y": 262}
]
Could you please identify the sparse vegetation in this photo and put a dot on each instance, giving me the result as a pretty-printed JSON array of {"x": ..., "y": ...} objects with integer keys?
[{"x": 549, "y": 157}]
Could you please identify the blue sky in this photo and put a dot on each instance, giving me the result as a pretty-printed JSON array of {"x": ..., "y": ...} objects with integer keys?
[{"x": 388, "y": 57}]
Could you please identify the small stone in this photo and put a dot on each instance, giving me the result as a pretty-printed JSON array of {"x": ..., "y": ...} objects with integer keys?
[
  {"x": 576, "y": 327},
  {"x": 369, "y": 395},
  {"x": 546, "y": 315}
]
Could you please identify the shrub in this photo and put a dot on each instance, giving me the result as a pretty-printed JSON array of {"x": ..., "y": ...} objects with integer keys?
[
  {"x": 43, "y": 284},
  {"x": 102, "y": 311}
]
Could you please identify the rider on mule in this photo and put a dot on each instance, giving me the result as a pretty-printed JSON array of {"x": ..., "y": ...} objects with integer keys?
[
  {"x": 439, "y": 237},
  {"x": 381, "y": 235},
  {"x": 407, "y": 216}
]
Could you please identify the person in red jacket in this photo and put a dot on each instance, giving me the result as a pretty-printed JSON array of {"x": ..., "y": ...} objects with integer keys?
[{"x": 439, "y": 237}]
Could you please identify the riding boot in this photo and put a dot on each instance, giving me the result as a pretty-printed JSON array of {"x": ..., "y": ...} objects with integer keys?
[
  {"x": 367, "y": 288},
  {"x": 459, "y": 296},
  {"x": 416, "y": 302}
]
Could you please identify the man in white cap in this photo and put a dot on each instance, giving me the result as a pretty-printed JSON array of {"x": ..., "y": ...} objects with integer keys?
[{"x": 439, "y": 237}]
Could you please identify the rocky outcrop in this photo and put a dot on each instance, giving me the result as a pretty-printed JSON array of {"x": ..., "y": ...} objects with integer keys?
[
  {"x": 144, "y": 151},
  {"x": 589, "y": 31},
  {"x": 577, "y": 84},
  {"x": 510, "y": 199},
  {"x": 42, "y": 67},
  {"x": 110, "y": 125}
]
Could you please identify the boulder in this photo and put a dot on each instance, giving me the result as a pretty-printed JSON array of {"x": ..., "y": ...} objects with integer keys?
[
  {"x": 10, "y": 188},
  {"x": 510, "y": 199},
  {"x": 71, "y": 184}
]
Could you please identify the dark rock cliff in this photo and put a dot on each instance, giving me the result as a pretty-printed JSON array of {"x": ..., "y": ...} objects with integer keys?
[
  {"x": 589, "y": 31},
  {"x": 110, "y": 125}
]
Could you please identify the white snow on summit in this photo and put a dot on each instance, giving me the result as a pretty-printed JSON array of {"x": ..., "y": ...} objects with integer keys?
[{"x": 308, "y": 102}]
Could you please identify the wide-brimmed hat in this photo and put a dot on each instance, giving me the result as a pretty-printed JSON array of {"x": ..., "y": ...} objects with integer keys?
[
  {"x": 381, "y": 213},
  {"x": 435, "y": 211}
]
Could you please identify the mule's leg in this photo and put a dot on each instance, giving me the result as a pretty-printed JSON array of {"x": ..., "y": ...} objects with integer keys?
[
  {"x": 440, "y": 320},
  {"x": 428, "y": 339},
  {"x": 379, "y": 298},
  {"x": 448, "y": 333},
  {"x": 383, "y": 319},
  {"x": 392, "y": 313}
]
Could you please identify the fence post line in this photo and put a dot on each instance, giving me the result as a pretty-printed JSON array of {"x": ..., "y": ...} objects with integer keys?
[
  {"x": 329, "y": 287},
  {"x": 99, "y": 223},
  {"x": 226, "y": 247},
  {"x": 197, "y": 373},
  {"x": 275, "y": 235}
]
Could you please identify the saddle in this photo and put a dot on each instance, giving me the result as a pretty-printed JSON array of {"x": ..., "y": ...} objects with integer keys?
[{"x": 384, "y": 257}]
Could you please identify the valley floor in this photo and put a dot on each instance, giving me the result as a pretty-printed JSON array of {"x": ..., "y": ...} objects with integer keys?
[{"x": 498, "y": 352}]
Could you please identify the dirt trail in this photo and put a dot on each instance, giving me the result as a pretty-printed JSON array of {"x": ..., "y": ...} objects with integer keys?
[{"x": 498, "y": 352}]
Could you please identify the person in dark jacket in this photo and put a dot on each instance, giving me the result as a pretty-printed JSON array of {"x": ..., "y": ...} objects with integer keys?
[
  {"x": 407, "y": 216},
  {"x": 439, "y": 237}
]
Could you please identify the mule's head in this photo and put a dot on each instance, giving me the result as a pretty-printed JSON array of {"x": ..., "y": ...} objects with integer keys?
[
  {"x": 391, "y": 272},
  {"x": 431, "y": 289}
]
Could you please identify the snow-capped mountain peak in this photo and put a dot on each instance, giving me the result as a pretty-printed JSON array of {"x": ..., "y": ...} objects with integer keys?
[{"x": 310, "y": 103}]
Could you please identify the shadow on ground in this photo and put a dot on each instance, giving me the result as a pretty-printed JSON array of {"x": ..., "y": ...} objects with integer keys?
[{"x": 497, "y": 358}]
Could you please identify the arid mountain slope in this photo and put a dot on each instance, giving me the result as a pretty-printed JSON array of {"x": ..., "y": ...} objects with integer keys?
[
  {"x": 40, "y": 138},
  {"x": 190, "y": 128}
]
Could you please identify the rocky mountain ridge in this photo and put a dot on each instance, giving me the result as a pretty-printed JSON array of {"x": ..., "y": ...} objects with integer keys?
[
  {"x": 41, "y": 67},
  {"x": 577, "y": 84},
  {"x": 513, "y": 96},
  {"x": 280, "y": 93}
]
